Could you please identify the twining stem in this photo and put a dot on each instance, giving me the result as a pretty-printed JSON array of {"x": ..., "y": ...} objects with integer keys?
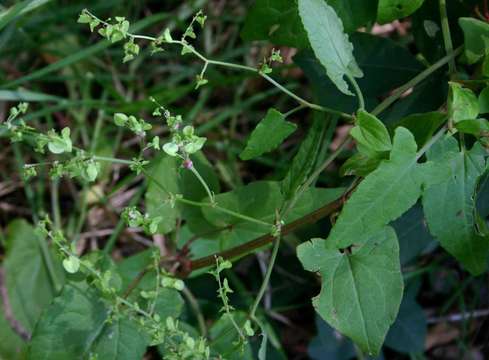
[
  {"x": 447, "y": 38},
  {"x": 207, "y": 62},
  {"x": 266, "y": 278}
]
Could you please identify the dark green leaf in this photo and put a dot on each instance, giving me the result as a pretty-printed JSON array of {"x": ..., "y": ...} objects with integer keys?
[
  {"x": 423, "y": 126},
  {"x": 330, "y": 44},
  {"x": 278, "y": 20},
  {"x": 477, "y": 127},
  {"x": 224, "y": 338},
  {"x": 28, "y": 278},
  {"x": 412, "y": 233},
  {"x": 306, "y": 158},
  {"x": 454, "y": 198},
  {"x": 327, "y": 345},
  {"x": 260, "y": 200},
  {"x": 484, "y": 101},
  {"x": 76, "y": 326},
  {"x": 373, "y": 55},
  {"x": 408, "y": 333},
  {"x": 268, "y": 135},
  {"x": 362, "y": 290},
  {"x": 390, "y": 10}
]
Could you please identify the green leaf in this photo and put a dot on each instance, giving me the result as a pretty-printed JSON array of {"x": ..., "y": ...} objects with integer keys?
[
  {"x": 390, "y": 10},
  {"x": 477, "y": 127},
  {"x": 484, "y": 101},
  {"x": 29, "y": 284},
  {"x": 327, "y": 345},
  {"x": 456, "y": 229},
  {"x": 225, "y": 338},
  {"x": 412, "y": 233},
  {"x": 476, "y": 35},
  {"x": 355, "y": 13},
  {"x": 373, "y": 54},
  {"x": 260, "y": 200},
  {"x": 408, "y": 333},
  {"x": 268, "y": 135},
  {"x": 74, "y": 326},
  {"x": 165, "y": 170},
  {"x": 121, "y": 339},
  {"x": 278, "y": 20},
  {"x": 423, "y": 126},
  {"x": 361, "y": 290},
  {"x": 330, "y": 44},
  {"x": 360, "y": 165},
  {"x": 71, "y": 264},
  {"x": 371, "y": 132},
  {"x": 462, "y": 103},
  {"x": 305, "y": 159},
  {"x": 384, "y": 195},
  {"x": 60, "y": 144}
]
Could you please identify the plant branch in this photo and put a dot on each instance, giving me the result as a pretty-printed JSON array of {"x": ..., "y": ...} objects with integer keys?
[
  {"x": 447, "y": 38},
  {"x": 264, "y": 240},
  {"x": 266, "y": 278}
]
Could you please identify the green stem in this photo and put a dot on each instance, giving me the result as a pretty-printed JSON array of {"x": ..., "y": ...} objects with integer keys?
[
  {"x": 415, "y": 81},
  {"x": 194, "y": 304},
  {"x": 206, "y": 204},
  {"x": 112, "y": 160},
  {"x": 358, "y": 91},
  {"x": 204, "y": 184},
  {"x": 266, "y": 279},
  {"x": 447, "y": 38}
]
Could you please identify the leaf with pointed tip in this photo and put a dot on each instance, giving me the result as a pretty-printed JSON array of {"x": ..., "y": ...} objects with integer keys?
[
  {"x": 362, "y": 290},
  {"x": 455, "y": 199},
  {"x": 330, "y": 44},
  {"x": 385, "y": 194},
  {"x": 268, "y": 135},
  {"x": 371, "y": 132}
]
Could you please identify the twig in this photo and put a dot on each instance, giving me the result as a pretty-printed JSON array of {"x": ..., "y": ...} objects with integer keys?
[{"x": 459, "y": 317}]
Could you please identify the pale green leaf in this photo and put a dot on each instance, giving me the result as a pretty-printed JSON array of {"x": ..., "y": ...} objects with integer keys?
[
  {"x": 371, "y": 132},
  {"x": 462, "y": 103},
  {"x": 330, "y": 44},
  {"x": 390, "y": 10},
  {"x": 268, "y": 135},
  {"x": 361, "y": 290},
  {"x": 384, "y": 195},
  {"x": 476, "y": 34},
  {"x": 450, "y": 206}
]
